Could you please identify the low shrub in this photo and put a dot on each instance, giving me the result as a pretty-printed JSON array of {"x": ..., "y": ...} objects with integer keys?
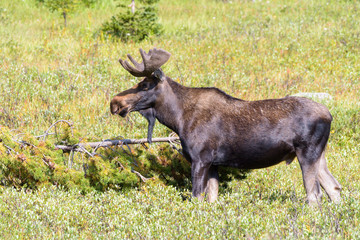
[{"x": 136, "y": 26}]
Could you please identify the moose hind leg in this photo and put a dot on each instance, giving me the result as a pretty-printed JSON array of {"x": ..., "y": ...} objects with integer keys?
[
  {"x": 212, "y": 188},
  {"x": 310, "y": 170},
  {"x": 199, "y": 178},
  {"x": 328, "y": 182}
]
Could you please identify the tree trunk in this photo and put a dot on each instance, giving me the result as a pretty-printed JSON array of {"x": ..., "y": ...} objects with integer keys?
[
  {"x": 132, "y": 5},
  {"x": 64, "y": 15}
]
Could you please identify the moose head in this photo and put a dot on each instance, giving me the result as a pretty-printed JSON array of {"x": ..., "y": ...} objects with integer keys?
[{"x": 142, "y": 96}]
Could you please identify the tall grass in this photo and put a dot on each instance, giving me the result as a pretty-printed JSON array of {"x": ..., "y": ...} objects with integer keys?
[{"x": 250, "y": 49}]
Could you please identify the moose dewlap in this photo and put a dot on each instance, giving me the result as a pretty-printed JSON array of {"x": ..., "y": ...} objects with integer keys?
[{"x": 216, "y": 129}]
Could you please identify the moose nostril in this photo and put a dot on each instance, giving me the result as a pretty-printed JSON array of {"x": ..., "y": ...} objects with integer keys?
[{"x": 114, "y": 109}]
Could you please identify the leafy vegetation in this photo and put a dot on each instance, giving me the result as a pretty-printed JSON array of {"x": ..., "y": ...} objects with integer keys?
[
  {"x": 250, "y": 49},
  {"x": 65, "y": 7},
  {"x": 136, "y": 26}
]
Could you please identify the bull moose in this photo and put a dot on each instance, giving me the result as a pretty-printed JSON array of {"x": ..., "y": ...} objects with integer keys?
[{"x": 216, "y": 129}]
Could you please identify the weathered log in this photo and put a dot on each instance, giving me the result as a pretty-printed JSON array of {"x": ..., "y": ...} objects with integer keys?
[{"x": 108, "y": 143}]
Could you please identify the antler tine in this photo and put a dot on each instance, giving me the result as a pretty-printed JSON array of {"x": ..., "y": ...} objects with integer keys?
[
  {"x": 146, "y": 57},
  {"x": 139, "y": 66},
  {"x": 133, "y": 71},
  {"x": 151, "y": 62}
]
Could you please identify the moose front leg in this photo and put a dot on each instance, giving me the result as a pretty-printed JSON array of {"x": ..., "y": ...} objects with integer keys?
[{"x": 199, "y": 178}]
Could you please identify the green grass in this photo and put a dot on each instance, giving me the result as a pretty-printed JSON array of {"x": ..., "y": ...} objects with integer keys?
[
  {"x": 250, "y": 210},
  {"x": 250, "y": 49}
]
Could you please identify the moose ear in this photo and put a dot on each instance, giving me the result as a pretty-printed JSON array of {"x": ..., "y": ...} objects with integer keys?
[{"x": 159, "y": 74}]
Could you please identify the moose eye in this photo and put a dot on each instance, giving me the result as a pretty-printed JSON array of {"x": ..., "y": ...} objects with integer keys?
[{"x": 144, "y": 86}]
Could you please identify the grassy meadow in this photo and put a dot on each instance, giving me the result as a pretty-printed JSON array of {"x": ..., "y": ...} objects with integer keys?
[{"x": 250, "y": 49}]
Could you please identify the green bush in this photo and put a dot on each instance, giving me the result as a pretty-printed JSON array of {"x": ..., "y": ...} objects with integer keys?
[{"x": 136, "y": 26}]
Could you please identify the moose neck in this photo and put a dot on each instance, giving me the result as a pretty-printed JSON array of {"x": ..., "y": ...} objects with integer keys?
[{"x": 169, "y": 107}]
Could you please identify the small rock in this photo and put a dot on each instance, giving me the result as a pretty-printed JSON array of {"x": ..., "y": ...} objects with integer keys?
[{"x": 316, "y": 96}]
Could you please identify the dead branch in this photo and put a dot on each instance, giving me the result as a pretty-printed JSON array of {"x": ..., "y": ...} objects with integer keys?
[
  {"x": 9, "y": 149},
  {"x": 144, "y": 179},
  {"x": 44, "y": 135},
  {"x": 54, "y": 124},
  {"x": 108, "y": 143}
]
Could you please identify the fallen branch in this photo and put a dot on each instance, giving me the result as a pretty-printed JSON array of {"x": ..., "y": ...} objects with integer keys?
[
  {"x": 144, "y": 179},
  {"x": 54, "y": 124},
  {"x": 108, "y": 143}
]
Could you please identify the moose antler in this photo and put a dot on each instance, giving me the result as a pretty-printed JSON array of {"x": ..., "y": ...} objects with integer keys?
[{"x": 151, "y": 62}]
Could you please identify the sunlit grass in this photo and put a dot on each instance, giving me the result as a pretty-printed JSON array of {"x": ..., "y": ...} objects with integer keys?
[{"x": 250, "y": 211}]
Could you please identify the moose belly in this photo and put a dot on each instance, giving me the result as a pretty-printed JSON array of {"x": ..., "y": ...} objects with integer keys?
[{"x": 253, "y": 154}]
